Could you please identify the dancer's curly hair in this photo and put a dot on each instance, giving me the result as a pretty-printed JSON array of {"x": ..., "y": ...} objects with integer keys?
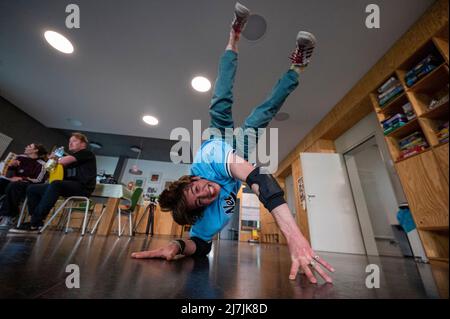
[{"x": 172, "y": 199}]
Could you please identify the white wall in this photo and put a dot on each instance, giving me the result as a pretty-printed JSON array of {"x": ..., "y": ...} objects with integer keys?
[
  {"x": 360, "y": 132},
  {"x": 107, "y": 164},
  {"x": 168, "y": 171}
]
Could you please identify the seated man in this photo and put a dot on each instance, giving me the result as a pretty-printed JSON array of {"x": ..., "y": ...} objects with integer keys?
[
  {"x": 80, "y": 172},
  {"x": 24, "y": 170},
  {"x": 207, "y": 197}
]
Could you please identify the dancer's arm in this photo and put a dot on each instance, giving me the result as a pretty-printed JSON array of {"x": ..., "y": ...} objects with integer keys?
[
  {"x": 301, "y": 252},
  {"x": 169, "y": 252}
]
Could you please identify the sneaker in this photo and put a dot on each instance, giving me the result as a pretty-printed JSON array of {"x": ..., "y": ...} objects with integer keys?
[
  {"x": 26, "y": 228},
  {"x": 6, "y": 222},
  {"x": 305, "y": 45},
  {"x": 241, "y": 14}
]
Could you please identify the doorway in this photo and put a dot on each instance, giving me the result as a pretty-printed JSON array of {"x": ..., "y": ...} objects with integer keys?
[{"x": 375, "y": 201}]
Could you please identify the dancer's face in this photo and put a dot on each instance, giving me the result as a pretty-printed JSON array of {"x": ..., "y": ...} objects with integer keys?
[{"x": 201, "y": 193}]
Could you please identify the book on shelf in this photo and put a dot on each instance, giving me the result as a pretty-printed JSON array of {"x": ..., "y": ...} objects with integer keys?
[
  {"x": 412, "y": 140},
  {"x": 393, "y": 128},
  {"x": 439, "y": 98},
  {"x": 388, "y": 92},
  {"x": 417, "y": 142},
  {"x": 409, "y": 111},
  {"x": 411, "y": 151},
  {"x": 396, "y": 117},
  {"x": 388, "y": 84},
  {"x": 425, "y": 66},
  {"x": 391, "y": 96},
  {"x": 442, "y": 135}
]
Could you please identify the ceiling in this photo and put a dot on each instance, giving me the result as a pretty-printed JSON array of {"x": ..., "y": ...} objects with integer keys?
[{"x": 138, "y": 57}]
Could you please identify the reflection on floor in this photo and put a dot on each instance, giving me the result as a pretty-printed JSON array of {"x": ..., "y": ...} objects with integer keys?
[{"x": 35, "y": 267}]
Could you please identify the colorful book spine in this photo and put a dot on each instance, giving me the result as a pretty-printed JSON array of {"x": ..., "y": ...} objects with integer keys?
[
  {"x": 391, "y": 96},
  {"x": 394, "y": 118},
  {"x": 387, "y": 85}
]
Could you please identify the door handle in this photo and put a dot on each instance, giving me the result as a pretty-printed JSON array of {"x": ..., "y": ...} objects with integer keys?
[{"x": 311, "y": 196}]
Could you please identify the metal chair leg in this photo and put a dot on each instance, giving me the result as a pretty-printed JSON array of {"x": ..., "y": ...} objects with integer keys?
[
  {"x": 119, "y": 221},
  {"x": 98, "y": 220},
  {"x": 131, "y": 224},
  {"x": 68, "y": 217},
  {"x": 89, "y": 218},
  {"x": 85, "y": 218},
  {"x": 53, "y": 216},
  {"x": 22, "y": 212}
]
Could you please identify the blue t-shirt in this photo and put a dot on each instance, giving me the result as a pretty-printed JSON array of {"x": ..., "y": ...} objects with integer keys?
[{"x": 210, "y": 163}]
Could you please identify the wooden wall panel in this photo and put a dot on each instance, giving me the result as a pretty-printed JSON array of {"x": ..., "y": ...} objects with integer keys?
[
  {"x": 442, "y": 154},
  {"x": 164, "y": 224},
  {"x": 301, "y": 214},
  {"x": 436, "y": 243},
  {"x": 425, "y": 189}
]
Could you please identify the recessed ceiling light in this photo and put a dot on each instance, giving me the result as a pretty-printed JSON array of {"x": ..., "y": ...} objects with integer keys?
[
  {"x": 201, "y": 84},
  {"x": 256, "y": 28},
  {"x": 59, "y": 42},
  {"x": 136, "y": 149},
  {"x": 74, "y": 122},
  {"x": 150, "y": 120}
]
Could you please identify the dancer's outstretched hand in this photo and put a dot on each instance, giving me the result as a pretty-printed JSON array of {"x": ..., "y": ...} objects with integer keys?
[
  {"x": 305, "y": 260},
  {"x": 168, "y": 252}
]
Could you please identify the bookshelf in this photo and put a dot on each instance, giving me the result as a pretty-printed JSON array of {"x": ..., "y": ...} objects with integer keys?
[{"x": 413, "y": 111}]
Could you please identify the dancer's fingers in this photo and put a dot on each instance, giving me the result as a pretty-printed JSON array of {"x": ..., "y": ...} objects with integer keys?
[
  {"x": 146, "y": 254},
  {"x": 323, "y": 263},
  {"x": 294, "y": 270},
  {"x": 309, "y": 274},
  {"x": 322, "y": 273}
]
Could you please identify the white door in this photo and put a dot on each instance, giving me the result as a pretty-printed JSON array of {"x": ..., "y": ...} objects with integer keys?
[{"x": 332, "y": 218}]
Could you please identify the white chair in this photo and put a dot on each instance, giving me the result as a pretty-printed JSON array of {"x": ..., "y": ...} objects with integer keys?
[{"x": 70, "y": 200}]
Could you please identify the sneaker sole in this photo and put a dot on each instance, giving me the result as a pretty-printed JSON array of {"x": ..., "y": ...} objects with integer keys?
[
  {"x": 306, "y": 38},
  {"x": 241, "y": 11}
]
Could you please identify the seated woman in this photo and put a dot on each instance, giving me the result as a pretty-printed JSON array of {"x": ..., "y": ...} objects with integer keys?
[{"x": 24, "y": 170}]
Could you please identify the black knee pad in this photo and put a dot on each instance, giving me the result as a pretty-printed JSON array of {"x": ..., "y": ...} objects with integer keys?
[
  {"x": 203, "y": 247},
  {"x": 270, "y": 192}
]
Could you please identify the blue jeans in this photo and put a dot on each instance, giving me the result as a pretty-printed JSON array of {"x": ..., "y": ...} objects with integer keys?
[{"x": 260, "y": 117}]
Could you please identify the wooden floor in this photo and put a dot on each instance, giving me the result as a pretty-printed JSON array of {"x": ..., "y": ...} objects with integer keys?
[{"x": 34, "y": 266}]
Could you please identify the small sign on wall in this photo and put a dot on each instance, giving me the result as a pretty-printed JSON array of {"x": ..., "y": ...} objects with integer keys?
[{"x": 301, "y": 191}]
